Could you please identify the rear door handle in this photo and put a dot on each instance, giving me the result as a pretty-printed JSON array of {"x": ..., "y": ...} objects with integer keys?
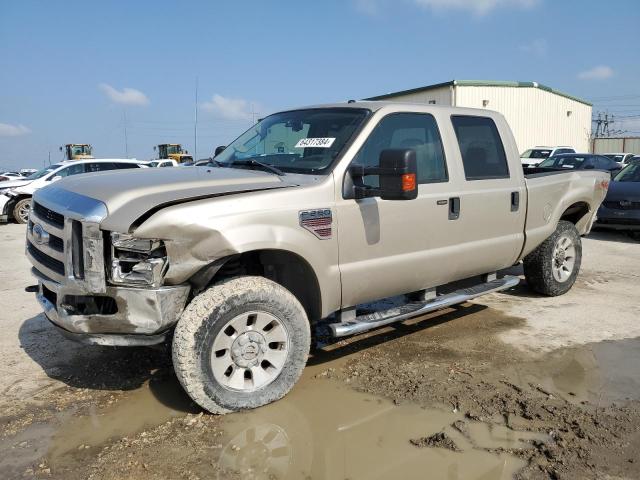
[
  {"x": 515, "y": 201},
  {"x": 454, "y": 208}
]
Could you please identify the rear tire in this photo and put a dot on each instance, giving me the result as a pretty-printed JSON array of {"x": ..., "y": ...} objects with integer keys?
[
  {"x": 552, "y": 268},
  {"x": 21, "y": 210},
  {"x": 241, "y": 344}
]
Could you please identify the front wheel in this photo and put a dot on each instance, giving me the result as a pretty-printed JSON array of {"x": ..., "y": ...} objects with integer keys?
[
  {"x": 21, "y": 210},
  {"x": 241, "y": 344},
  {"x": 552, "y": 268}
]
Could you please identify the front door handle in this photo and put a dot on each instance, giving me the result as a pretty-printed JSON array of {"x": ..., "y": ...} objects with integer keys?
[
  {"x": 515, "y": 201},
  {"x": 454, "y": 208}
]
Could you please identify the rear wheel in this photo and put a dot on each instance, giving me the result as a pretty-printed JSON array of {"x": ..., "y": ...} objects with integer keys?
[
  {"x": 21, "y": 210},
  {"x": 552, "y": 268},
  {"x": 241, "y": 344}
]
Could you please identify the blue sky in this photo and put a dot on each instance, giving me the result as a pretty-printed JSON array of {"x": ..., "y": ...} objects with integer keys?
[{"x": 73, "y": 70}]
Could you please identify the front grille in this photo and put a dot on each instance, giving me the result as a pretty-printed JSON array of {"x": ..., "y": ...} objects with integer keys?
[
  {"x": 49, "y": 262},
  {"x": 623, "y": 205},
  {"x": 56, "y": 243},
  {"x": 49, "y": 216}
]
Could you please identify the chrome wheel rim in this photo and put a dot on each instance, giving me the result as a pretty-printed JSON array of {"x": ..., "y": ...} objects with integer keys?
[
  {"x": 23, "y": 212},
  {"x": 564, "y": 259},
  {"x": 250, "y": 351}
]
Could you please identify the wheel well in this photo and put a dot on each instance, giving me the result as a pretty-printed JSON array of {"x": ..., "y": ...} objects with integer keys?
[
  {"x": 575, "y": 212},
  {"x": 283, "y": 267},
  {"x": 12, "y": 203}
]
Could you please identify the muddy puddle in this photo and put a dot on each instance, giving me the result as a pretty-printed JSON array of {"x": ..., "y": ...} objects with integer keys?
[
  {"x": 599, "y": 373},
  {"x": 323, "y": 429},
  {"x": 60, "y": 440}
]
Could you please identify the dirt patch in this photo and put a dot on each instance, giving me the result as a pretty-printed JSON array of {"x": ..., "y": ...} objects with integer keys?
[
  {"x": 437, "y": 440},
  {"x": 590, "y": 432}
]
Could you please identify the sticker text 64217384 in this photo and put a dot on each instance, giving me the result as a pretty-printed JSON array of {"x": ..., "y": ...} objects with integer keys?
[{"x": 315, "y": 142}]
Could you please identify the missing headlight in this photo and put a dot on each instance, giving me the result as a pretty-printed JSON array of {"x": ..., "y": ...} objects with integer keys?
[{"x": 137, "y": 261}]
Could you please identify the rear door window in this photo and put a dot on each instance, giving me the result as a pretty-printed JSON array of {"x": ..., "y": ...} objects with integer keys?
[
  {"x": 100, "y": 167},
  {"x": 74, "y": 169},
  {"x": 483, "y": 155},
  {"x": 126, "y": 165}
]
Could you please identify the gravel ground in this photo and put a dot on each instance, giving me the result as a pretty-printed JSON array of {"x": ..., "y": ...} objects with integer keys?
[{"x": 511, "y": 384}]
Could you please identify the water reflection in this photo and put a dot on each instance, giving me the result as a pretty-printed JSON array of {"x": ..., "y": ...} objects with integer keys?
[{"x": 324, "y": 429}]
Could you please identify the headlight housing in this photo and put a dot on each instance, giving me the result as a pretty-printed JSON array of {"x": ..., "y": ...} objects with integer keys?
[{"x": 137, "y": 261}]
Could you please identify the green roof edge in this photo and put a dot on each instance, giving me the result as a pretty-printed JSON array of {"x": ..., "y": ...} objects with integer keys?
[{"x": 482, "y": 83}]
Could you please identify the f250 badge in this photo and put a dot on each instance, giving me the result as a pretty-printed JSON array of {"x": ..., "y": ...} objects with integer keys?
[{"x": 319, "y": 222}]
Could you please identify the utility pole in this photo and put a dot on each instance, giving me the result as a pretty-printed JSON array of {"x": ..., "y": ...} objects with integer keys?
[{"x": 195, "y": 127}]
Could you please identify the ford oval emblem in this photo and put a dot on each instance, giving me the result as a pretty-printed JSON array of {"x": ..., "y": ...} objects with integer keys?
[{"x": 39, "y": 235}]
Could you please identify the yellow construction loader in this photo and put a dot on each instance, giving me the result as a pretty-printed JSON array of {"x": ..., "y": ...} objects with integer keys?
[
  {"x": 173, "y": 151},
  {"x": 77, "y": 151}
]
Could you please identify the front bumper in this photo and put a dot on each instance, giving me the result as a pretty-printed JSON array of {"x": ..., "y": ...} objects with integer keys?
[
  {"x": 135, "y": 316},
  {"x": 4, "y": 211},
  {"x": 613, "y": 219}
]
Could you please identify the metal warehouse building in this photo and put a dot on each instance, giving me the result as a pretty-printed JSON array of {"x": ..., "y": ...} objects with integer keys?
[{"x": 537, "y": 114}]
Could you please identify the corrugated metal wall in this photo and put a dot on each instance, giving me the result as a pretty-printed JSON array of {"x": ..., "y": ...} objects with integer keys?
[
  {"x": 537, "y": 117},
  {"x": 617, "y": 145},
  {"x": 442, "y": 96}
]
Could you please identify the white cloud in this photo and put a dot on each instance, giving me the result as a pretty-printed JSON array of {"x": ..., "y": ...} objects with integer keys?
[
  {"x": 478, "y": 7},
  {"x": 368, "y": 7},
  {"x": 537, "y": 47},
  {"x": 601, "y": 72},
  {"x": 8, "y": 130},
  {"x": 230, "y": 108},
  {"x": 126, "y": 96}
]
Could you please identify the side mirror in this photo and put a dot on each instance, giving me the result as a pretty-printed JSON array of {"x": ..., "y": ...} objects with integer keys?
[
  {"x": 55, "y": 178},
  {"x": 398, "y": 174},
  {"x": 589, "y": 167},
  {"x": 219, "y": 150}
]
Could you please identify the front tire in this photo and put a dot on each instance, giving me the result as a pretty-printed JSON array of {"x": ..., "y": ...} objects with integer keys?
[
  {"x": 552, "y": 268},
  {"x": 241, "y": 344},
  {"x": 21, "y": 210}
]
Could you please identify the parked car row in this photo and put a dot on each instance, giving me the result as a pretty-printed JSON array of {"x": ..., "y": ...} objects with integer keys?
[
  {"x": 621, "y": 207},
  {"x": 15, "y": 194},
  {"x": 9, "y": 175}
]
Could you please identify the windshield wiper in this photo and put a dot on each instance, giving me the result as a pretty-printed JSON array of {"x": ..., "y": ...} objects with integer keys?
[{"x": 256, "y": 163}]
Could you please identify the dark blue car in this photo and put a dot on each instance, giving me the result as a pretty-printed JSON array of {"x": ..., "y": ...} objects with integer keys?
[{"x": 621, "y": 207}]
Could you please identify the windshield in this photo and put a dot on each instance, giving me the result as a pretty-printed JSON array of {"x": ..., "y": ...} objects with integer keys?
[
  {"x": 153, "y": 164},
  {"x": 300, "y": 141},
  {"x": 569, "y": 161},
  {"x": 614, "y": 157},
  {"x": 536, "y": 153},
  {"x": 630, "y": 173},
  {"x": 44, "y": 171},
  {"x": 80, "y": 150}
]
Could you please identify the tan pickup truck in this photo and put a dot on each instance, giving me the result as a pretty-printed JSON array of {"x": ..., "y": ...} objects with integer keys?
[{"x": 303, "y": 222}]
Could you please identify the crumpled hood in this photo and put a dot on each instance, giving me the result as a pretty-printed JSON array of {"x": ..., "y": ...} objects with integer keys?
[
  {"x": 130, "y": 194},
  {"x": 14, "y": 183},
  {"x": 624, "y": 191}
]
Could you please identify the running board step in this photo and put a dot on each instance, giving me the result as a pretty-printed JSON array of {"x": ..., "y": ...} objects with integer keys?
[{"x": 362, "y": 323}]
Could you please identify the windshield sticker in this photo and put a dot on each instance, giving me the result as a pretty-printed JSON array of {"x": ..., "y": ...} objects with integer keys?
[{"x": 315, "y": 142}]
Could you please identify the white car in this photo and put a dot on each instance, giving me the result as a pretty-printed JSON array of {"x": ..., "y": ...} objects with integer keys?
[
  {"x": 15, "y": 195},
  {"x": 535, "y": 155},
  {"x": 622, "y": 158},
  {"x": 167, "y": 162},
  {"x": 9, "y": 175}
]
